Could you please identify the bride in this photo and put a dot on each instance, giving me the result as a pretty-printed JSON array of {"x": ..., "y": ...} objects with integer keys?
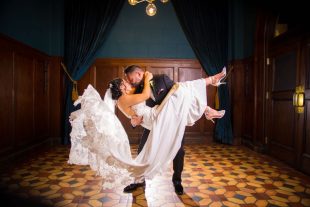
[{"x": 98, "y": 138}]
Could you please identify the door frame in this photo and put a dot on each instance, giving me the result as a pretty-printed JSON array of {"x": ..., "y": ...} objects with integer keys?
[{"x": 296, "y": 38}]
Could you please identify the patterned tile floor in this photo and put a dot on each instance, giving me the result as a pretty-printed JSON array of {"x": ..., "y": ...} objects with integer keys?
[{"x": 214, "y": 175}]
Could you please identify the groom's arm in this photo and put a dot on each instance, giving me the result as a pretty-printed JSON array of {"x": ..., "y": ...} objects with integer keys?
[
  {"x": 164, "y": 85},
  {"x": 168, "y": 82}
]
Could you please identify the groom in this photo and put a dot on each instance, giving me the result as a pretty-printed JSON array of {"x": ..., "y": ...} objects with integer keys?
[{"x": 160, "y": 85}]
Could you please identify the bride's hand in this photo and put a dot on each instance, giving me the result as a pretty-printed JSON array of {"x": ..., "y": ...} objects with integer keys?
[
  {"x": 148, "y": 76},
  {"x": 136, "y": 120}
]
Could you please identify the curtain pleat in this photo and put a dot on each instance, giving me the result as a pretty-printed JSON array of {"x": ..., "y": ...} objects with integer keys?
[
  {"x": 87, "y": 25},
  {"x": 205, "y": 24}
]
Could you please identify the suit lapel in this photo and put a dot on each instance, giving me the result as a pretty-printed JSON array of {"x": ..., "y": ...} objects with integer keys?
[
  {"x": 152, "y": 84},
  {"x": 157, "y": 85}
]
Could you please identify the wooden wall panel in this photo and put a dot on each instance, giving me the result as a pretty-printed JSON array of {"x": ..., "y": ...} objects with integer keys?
[
  {"x": 305, "y": 141},
  {"x": 282, "y": 144},
  {"x": 162, "y": 70},
  {"x": 24, "y": 92},
  {"x": 41, "y": 100},
  {"x": 305, "y": 154},
  {"x": 6, "y": 101},
  {"x": 56, "y": 97},
  {"x": 187, "y": 74},
  {"x": 103, "y": 75},
  {"x": 248, "y": 107},
  {"x": 88, "y": 78},
  {"x": 238, "y": 89},
  {"x": 24, "y": 99},
  {"x": 242, "y": 96}
]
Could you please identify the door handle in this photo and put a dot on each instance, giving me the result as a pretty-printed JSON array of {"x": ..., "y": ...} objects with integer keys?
[
  {"x": 294, "y": 99},
  {"x": 299, "y": 99}
]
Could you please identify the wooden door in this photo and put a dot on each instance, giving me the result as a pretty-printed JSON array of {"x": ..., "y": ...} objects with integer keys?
[
  {"x": 304, "y": 152},
  {"x": 288, "y": 85},
  {"x": 281, "y": 119},
  {"x": 283, "y": 55}
]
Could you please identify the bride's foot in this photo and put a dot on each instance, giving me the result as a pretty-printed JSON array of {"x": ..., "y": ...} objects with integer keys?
[
  {"x": 216, "y": 79},
  {"x": 213, "y": 114}
]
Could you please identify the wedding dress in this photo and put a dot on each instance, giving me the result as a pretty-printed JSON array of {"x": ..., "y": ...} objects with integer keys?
[{"x": 99, "y": 140}]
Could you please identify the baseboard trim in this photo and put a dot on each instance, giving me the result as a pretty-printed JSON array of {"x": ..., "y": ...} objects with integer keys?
[
  {"x": 253, "y": 146},
  {"x": 21, "y": 154}
]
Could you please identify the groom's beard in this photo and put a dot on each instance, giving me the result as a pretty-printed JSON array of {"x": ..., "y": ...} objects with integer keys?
[
  {"x": 141, "y": 83},
  {"x": 135, "y": 85}
]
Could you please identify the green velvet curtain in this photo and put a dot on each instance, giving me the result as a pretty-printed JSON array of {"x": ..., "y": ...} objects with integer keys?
[
  {"x": 87, "y": 24},
  {"x": 205, "y": 24}
]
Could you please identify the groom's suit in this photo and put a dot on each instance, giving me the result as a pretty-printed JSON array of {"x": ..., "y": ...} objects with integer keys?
[{"x": 160, "y": 85}]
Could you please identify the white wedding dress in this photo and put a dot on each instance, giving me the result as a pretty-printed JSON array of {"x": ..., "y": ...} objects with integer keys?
[{"x": 99, "y": 140}]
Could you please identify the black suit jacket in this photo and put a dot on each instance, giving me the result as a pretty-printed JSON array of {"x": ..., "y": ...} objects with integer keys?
[{"x": 161, "y": 85}]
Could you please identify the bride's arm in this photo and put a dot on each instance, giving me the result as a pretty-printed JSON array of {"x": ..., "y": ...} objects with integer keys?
[
  {"x": 133, "y": 99},
  {"x": 131, "y": 114},
  {"x": 136, "y": 120}
]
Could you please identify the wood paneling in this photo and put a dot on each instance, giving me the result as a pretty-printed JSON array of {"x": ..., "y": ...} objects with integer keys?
[
  {"x": 104, "y": 74},
  {"x": 41, "y": 100},
  {"x": 162, "y": 70},
  {"x": 104, "y": 70},
  {"x": 259, "y": 91},
  {"x": 248, "y": 107},
  {"x": 56, "y": 94},
  {"x": 6, "y": 100},
  {"x": 305, "y": 153},
  {"x": 24, "y": 92},
  {"x": 305, "y": 127},
  {"x": 282, "y": 121},
  {"x": 282, "y": 137},
  {"x": 24, "y": 99},
  {"x": 280, "y": 64},
  {"x": 237, "y": 97},
  {"x": 242, "y": 96}
]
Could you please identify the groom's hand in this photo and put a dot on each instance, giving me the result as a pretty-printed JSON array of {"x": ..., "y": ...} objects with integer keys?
[
  {"x": 136, "y": 120},
  {"x": 148, "y": 76}
]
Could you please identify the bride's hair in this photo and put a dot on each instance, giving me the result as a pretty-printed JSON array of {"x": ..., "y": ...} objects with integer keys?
[{"x": 114, "y": 85}]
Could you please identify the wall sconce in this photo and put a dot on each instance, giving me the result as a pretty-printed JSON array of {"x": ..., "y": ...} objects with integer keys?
[{"x": 150, "y": 8}]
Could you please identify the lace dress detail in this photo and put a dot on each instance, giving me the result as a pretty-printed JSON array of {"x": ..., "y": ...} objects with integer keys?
[{"x": 99, "y": 140}]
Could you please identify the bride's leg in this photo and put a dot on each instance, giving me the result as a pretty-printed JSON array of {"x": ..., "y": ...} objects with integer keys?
[
  {"x": 216, "y": 79},
  {"x": 211, "y": 113}
]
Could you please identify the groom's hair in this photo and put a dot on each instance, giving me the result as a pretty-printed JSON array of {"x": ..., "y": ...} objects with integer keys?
[{"x": 132, "y": 68}]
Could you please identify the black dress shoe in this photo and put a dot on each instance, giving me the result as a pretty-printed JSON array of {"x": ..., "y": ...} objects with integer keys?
[
  {"x": 178, "y": 188},
  {"x": 133, "y": 186}
]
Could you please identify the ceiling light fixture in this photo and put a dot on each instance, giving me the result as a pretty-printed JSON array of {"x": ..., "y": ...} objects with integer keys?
[{"x": 150, "y": 8}]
